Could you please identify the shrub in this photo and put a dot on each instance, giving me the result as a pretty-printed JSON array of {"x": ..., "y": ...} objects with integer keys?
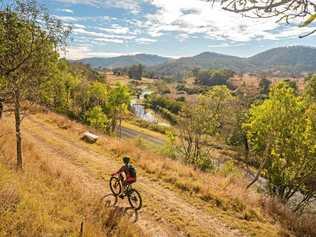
[
  {"x": 151, "y": 126},
  {"x": 214, "y": 77},
  {"x": 301, "y": 225},
  {"x": 96, "y": 118},
  {"x": 164, "y": 102}
]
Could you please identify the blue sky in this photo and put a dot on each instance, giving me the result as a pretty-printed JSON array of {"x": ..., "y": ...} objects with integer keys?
[{"x": 174, "y": 28}]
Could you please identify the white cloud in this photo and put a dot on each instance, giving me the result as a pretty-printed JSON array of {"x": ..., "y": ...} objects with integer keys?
[
  {"x": 107, "y": 40},
  {"x": 191, "y": 17},
  {"x": 224, "y": 45},
  {"x": 99, "y": 35},
  {"x": 79, "y": 26},
  {"x": 115, "y": 30},
  {"x": 145, "y": 40},
  {"x": 67, "y": 10},
  {"x": 85, "y": 51},
  {"x": 67, "y": 19},
  {"x": 130, "y": 5}
]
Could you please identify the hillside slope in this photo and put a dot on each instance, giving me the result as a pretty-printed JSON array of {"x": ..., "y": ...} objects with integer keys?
[
  {"x": 295, "y": 59},
  {"x": 204, "y": 61},
  {"x": 283, "y": 60},
  {"x": 286, "y": 60},
  {"x": 124, "y": 61},
  {"x": 178, "y": 200}
]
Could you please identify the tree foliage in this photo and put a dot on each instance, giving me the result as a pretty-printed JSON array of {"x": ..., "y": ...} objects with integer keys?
[
  {"x": 201, "y": 119},
  {"x": 214, "y": 77},
  {"x": 117, "y": 105},
  {"x": 29, "y": 39},
  {"x": 264, "y": 86},
  {"x": 284, "y": 10},
  {"x": 96, "y": 118},
  {"x": 310, "y": 88},
  {"x": 282, "y": 132},
  {"x": 136, "y": 72}
]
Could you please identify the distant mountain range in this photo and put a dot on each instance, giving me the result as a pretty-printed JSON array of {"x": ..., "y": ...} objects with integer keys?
[
  {"x": 124, "y": 61},
  {"x": 283, "y": 60}
]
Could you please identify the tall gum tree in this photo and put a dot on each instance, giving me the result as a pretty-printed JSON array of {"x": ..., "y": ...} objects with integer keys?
[
  {"x": 29, "y": 42},
  {"x": 288, "y": 11}
]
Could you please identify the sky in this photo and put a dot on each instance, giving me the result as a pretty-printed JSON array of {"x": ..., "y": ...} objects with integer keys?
[{"x": 172, "y": 28}]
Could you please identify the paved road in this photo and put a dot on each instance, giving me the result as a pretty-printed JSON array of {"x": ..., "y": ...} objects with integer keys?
[{"x": 130, "y": 133}]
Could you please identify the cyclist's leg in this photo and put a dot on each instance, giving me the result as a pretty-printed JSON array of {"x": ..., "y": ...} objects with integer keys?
[{"x": 125, "y": 188}]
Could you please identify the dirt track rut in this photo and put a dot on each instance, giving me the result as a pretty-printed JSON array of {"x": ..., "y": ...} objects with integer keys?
[{"x": 165, "y": 212}]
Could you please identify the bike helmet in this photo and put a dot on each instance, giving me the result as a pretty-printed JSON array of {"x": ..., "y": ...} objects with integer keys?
[{"x": 126, "y": 159}]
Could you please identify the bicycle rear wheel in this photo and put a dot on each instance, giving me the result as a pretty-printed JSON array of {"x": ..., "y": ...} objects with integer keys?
[
  {"x": 135, "y": 199},
  {"x": 115, "y": 186}
]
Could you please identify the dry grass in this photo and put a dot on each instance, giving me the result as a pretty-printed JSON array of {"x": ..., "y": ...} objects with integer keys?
[
  {"x": 223, "y": 192},
  {"x": 47, "y": 199},
  {"x": 113, "y": 79},
  {"x": 301, "y": 225},
  {"x": 226, "y": 192}
]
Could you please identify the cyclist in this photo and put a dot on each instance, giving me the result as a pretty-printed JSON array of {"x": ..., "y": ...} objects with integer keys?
[{"x": 129, "y": 172}]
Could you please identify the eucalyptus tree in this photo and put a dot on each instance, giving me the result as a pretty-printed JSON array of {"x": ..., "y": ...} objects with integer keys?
[
  {"x": 283, "y": 10},
  {"x": 119, "y": 99},
  {"x": 200, "y": 119},
  {"x": 282, "y": 134},
  {"x": 29, "y": 44}
]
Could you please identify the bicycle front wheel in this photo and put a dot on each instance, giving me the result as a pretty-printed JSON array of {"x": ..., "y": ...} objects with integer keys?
[{"x": 115, "y": 186}]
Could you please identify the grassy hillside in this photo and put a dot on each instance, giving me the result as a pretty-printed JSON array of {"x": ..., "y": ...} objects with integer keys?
[
  {"x": 48, "y": 198},
  {"x": 62, "y": 186}
]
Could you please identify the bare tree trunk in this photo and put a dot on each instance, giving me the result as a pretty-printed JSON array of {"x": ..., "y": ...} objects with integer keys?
[
  {"x": 246, "y": 146},
  {"x": 266, "y": 157},
  {"x": 120, "y": 126},
  {"x": 258, "y": 172},
  {"x": 113, "y": 123},
  {"x": 17, "y": 114}
]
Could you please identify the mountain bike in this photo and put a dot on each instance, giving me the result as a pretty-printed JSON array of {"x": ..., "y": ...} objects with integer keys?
[{"x": 118, "y": 189}]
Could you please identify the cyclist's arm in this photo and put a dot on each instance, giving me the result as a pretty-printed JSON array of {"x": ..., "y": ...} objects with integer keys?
[{"x": 122, "y": 169}]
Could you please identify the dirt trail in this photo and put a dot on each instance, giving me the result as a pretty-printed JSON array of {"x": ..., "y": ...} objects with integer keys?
[{"x": 165, "y": 213}]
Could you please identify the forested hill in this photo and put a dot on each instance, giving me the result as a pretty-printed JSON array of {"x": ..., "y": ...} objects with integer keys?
[
  {"x": 295, "y": 59},
  {"x": 124, "y": 61},
  {"x": 284, "y": 60},
  {"x": 204, "y": 61}
]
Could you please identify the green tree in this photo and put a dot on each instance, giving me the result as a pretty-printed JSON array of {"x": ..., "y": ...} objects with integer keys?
[
  {"x": 214, "y": 77},
  {"x": 136, "y": 72},
  {"x": 29, "y": 39},
  {"x": 97, "y": 94},
  {"x": 201, "y": 119},
  {"x": 58, "y": 90},
  {"x": 264, "y": 86},
  {"x": 117, "y": 105},
  {"x": 281, "y": 132},
  {"x": 310, "y": 88},
  {"x": 96, "y": 118}
]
